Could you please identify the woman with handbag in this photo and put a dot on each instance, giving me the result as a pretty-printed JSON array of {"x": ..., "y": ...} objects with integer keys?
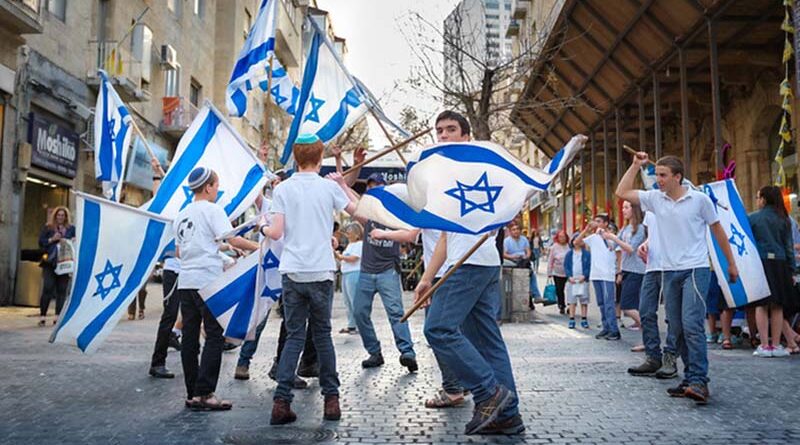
[
  {"x": 555, "y": 267},
  {"x": 57, "y": 230}
]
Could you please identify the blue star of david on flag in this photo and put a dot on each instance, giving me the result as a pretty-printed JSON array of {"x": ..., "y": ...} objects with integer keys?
[
  {"x": 276, "y": 93},
  {"x": 737, "y": 239},
  {"x": 270, "y": 261},
  {"x": 109, "y": 269},
  {"x": 481, "y": 189},
  {"x": 316, "y": 104},
  {"x": 189, "y": 195}
]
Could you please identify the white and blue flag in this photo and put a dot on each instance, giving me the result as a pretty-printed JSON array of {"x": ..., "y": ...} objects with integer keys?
[
  {"x": 330, "y": 99},
  {"x": 253, "y": 65},
  {"x": 485, "y": 188},
  {"x": 241, "y": 297},
  {"x": 648, "y": 173},
  {"x": 108, "y": 272},
  {"x": 211, "y": 142},
  {"x": 112, "y": 136},
  {"x": 752, "y": 283}
]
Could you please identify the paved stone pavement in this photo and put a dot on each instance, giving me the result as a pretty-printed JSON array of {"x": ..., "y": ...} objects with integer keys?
[{"x": 573, "y": 389}]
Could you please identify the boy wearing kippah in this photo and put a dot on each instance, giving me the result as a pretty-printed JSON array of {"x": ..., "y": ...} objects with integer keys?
[
  {"x": 197, "y": 227},
  {"x": 303, "y": 208}
]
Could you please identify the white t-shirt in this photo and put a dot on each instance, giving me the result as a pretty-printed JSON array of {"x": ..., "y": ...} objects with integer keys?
[
  {"x": 429, "y": 239},
  {"x": 307, "y": 202},
  {"x": 352, "y": 249},
  {"x": 196, "y": 229},
  {"x": 577, "y": 264},
  {"x": 604, "y": 258},
  {"x": 173, "y": 264},
  {"x": 682, "y": 227},
  {"x": 653, "y": 249},
  {"x": 458, "y": 244}
]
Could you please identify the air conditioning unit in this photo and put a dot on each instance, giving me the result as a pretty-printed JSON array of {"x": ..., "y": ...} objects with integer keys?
[{"x": 169, "y": 57}]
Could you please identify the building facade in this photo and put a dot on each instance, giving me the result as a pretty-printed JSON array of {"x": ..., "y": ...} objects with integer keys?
[{"x": 165, "y": 58}]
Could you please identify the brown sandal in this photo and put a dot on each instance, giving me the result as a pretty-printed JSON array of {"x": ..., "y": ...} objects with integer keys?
[
  {"x": 443, "y": 400},
  {"x": 204, "y": 405},
  {"x": 726, "y": 344}
]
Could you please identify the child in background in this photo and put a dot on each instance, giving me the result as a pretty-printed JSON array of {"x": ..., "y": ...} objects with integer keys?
[
  {"x": 577, "y": 264},
  {"x": 351, "y": 266}
]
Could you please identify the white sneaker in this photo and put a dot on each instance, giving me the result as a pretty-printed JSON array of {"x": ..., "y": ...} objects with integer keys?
[
  {"x": 779, "y": 351},
  {"x": 763, "y": 351}
]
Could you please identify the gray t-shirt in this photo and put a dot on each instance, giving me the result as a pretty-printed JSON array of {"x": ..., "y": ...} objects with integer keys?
[
  {"x": 631, "y": 261},
  {"x": 378, "y": 255}
]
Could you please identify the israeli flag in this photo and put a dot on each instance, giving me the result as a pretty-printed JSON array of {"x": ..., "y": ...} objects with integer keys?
[
  {"x": 330, "y": 99},
  {"x": 284, "y": 92},
  {"x": 752, "y": 283},
  {"x": 484, "y": 188},
  {"x": 117, "y": 248},
  {"x": 211, "y": 142},
  {"x": 648, "y": 173},
  {"x": 252, "y": 66},
  {"x": 242, "y": 229},
  {"x": 241, "y": 297},
  {"x": 112, "y": 136}
]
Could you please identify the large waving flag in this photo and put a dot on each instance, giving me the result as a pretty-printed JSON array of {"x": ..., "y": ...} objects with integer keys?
[
  {"x": 330, "y": 99},
  {"x": 241, "y": 297},
  {"x": 211, "y": 142},
  {"x": 284, "y": 92},
  {"x": 485, "y": 188},
  {"x": 112, "y": 136},
  {"x": 117, "y": 249},
  {"x": 752, "y": 283},
  {"x": 253, "y": 64}
]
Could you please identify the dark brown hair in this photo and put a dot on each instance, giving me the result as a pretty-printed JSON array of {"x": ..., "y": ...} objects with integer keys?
[{"x": 673, "y": 163}]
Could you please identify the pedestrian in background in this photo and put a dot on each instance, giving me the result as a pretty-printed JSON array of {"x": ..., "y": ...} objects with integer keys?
[
  {"x": 578, "y": 266},
  {"x": 54, "y": 286},
  {"x": 555, "y": 266}
]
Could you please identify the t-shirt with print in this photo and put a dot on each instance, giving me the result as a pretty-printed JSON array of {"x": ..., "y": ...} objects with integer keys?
[
  {"x": 378, "y": 256},
  {"x": 352, "y": 249},
  {"x": 307, "y": 202},
  {"x": 604, "y": 258},
  {"x": 196, "y": 229},
  {"x": 682, "y": 228}
]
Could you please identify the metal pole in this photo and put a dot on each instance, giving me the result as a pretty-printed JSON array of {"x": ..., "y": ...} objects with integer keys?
[
  {"x": 657, "y": 114},
  {"x": 606, "y": 175},
  {"x": 715, "y": 100},
  {"x": 642, "y": 132},
  {"x": 687, "y": 149},
  {"x": 583, "y": 188},
  {"x": 594, "y": 178},
  {"x": 618, "y": 124}
]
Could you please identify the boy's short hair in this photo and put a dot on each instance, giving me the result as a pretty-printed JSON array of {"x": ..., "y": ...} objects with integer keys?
[
  {"x": 673, "y": 163},
  {"x": 308, "y": 155},
  {"x": 604, "y": 217},
  {"x": 453, "y": 116}
]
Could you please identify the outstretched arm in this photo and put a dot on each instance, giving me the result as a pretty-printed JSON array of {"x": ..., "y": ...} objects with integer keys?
[{"x": 625, "y": 188}]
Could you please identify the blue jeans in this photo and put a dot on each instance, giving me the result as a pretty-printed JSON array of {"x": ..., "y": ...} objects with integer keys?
[
  {"x": 535, "y": 286},
  {"x": 387, "y": 284},
  {"x": 685, "y": 291},
  {"x": 249, "y": 347},
  {"x": 450, "y": 383},
  {"x": 461, "y": 329},
  {"x": 349, "y": 289},
  {"x": 307, "y": 302},
  {"x": 649, "y": 298},
  {"x": 605, "y": 292}
]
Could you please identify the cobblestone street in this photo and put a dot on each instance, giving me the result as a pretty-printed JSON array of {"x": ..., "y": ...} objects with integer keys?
[{"x": 573, "y": 389}]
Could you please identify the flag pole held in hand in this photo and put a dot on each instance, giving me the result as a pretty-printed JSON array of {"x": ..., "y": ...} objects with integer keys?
[
  {"x": 444, "y": 278},
  {"x": 386, "y": 151}
]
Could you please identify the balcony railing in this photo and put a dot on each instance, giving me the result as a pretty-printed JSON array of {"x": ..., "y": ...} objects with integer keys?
[
  {"x": 177, "y": 114},
  {"x": 123, "y": 69},
  {"x": 513, "y": 29},
  {"x": 520, "y": 8}
]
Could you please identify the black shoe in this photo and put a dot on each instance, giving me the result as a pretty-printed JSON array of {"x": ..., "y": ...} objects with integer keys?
[
  {"x": 174, "y": 341},
  {"x": 561, "y": 311},
  {"x": 487, "y": 411},
  {"x": 616, "y": 336},
  {"x": 678, "y": 391},
  {"x": 602, "y": 335},
  {"x": 509, "y": 426},
  {"x": 308, "y": 371},
  {"x": 161, "y": 372},
  {"x": 648, "y": 368},
  {"x": 229, "y": 346},
  {"x": 273, "y": 371},
  {"x": 299, "y": 383},
  {"x": 409, "y": 362},
  {"x": 373, "y": 361}
]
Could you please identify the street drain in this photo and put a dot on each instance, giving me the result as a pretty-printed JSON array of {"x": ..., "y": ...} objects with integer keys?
[{"x": 280, "y": 435}]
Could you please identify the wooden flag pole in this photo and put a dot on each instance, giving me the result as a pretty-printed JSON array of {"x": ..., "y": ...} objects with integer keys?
[
  {"x": 265, "y": 131},
  {"x": 444, "y": 278},
  {"x": 387, "y": 151},
  {"x": 146, "y": 144}
]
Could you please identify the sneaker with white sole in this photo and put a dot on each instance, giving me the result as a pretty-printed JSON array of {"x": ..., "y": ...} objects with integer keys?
[
  {"x": 779, "y": 351},
  {"x": 763, "y": 351}
]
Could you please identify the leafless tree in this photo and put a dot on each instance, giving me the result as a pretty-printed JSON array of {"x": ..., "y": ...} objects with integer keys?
[{"x": 456, "y": 62}]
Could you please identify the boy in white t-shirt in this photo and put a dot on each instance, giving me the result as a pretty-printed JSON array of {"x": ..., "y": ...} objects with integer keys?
[
  {"x": 350, "y": 261},
  {"x": 303, "y": 208},
  {"x": 197, "y": 227},
  {"x": 603, "y": 271}
]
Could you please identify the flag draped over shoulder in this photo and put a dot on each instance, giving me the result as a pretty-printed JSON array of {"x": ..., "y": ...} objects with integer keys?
[
  {"x": 330, "y": 100},
  {"x": 112, "y": 136},
  {"x": 484, "y": 188},
  {"x": 211, "y": 142},
  {"x": 117, "y": 248},
  {"x": 752, "y": 283},
  {"x": 253, "y": 65},
  {"x": 242, "y": 296}
]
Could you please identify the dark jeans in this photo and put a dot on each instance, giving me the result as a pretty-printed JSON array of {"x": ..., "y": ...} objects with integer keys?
[
  {"x": 307, "y": 302},
  {"x": 249, "y": 347},
  {"x": 309, "y": 357},
  {"x": 560, "y": 283},
  {"x": 141, "y": 296},
  {"x": 53, "y": 286},
  {"x": 168, "y": 317},
  {"x": 200, "y": 379}
]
